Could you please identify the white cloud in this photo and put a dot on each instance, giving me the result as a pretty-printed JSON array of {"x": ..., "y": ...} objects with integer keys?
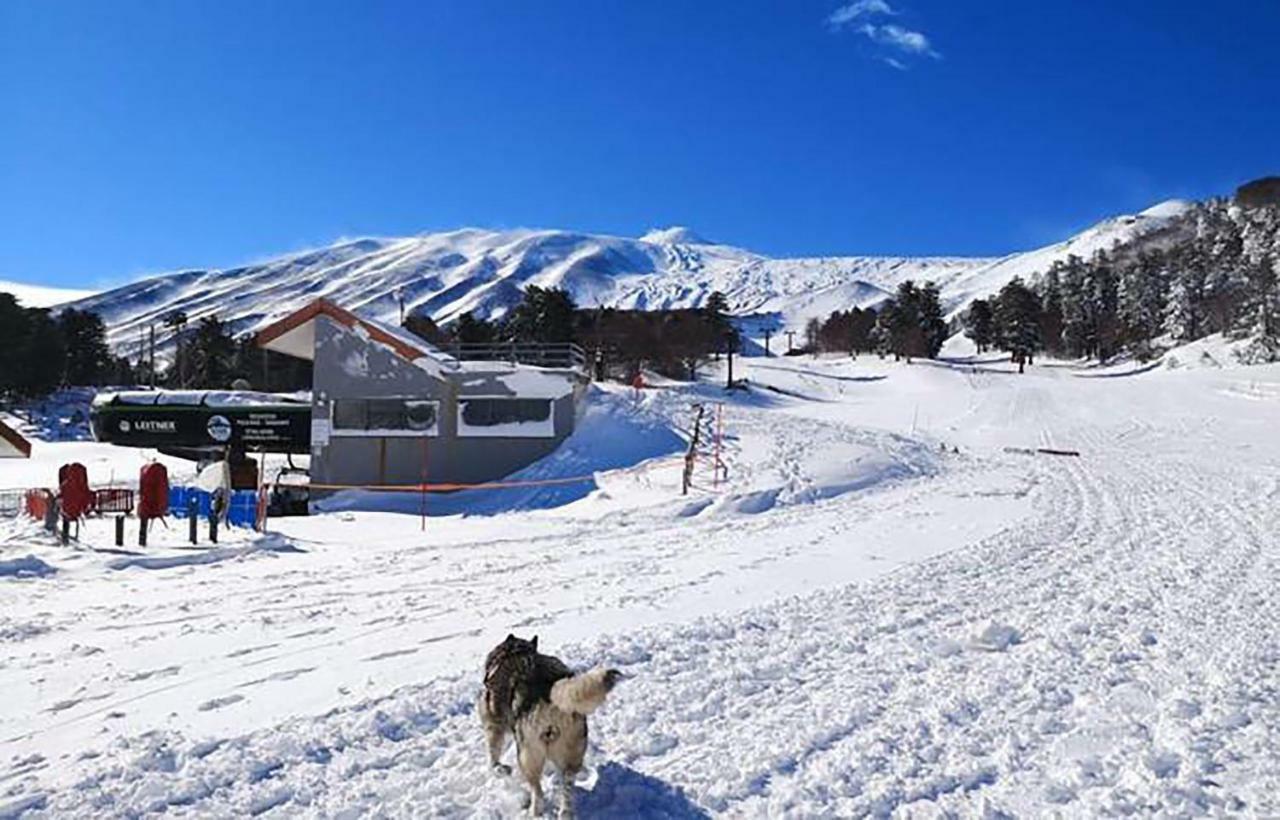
[
  {"x": 903, "y": 39},
  {"x": 891, "y": 37},
  {"x": 860, "y": 8}
]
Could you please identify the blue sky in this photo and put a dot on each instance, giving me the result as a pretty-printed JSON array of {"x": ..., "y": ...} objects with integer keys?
[{"x": 138, "y": 137}]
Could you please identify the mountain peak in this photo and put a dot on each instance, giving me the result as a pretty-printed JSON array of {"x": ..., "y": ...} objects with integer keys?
[{"x": 675, "y": 235}]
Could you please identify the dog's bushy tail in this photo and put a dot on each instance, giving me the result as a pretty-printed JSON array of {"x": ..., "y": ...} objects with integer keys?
[{"x": 585, "y": 692}]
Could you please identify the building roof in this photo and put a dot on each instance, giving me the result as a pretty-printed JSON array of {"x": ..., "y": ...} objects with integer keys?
[
  {"x": 295, "y": 335},
  {"x": 12, "y": 443}
]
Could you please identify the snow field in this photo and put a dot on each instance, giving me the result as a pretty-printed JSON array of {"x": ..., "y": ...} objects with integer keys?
[{"x": 858, "y": 624}]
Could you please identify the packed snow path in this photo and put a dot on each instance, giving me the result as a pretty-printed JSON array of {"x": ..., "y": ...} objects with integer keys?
[{"x": 1110, "y": 650}]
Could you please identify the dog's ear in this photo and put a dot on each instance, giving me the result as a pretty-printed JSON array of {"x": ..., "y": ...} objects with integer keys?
[
  {"x": 535, "y": 643},
  {"x": 510, "y": 637}
]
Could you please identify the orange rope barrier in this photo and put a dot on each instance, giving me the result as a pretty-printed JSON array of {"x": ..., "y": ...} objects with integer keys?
[{"x": 445, "y": 487}]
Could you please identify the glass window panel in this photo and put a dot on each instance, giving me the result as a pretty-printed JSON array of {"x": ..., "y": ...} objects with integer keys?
[
  {"x": 349, "y": 414},
  {"x": 386, "y": 414}
]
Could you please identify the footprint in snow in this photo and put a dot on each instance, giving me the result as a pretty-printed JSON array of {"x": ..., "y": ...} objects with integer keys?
[
  {"x": 288, "y": 674},
  {"x": 166, "y": 672},
  {"x": 250, "y": 649},
  {"x": 219, "y": 703},
  {"x": 382, "y": 656}
]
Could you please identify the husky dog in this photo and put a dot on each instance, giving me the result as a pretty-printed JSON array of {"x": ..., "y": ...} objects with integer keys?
[{"x": 545, "y": 705}]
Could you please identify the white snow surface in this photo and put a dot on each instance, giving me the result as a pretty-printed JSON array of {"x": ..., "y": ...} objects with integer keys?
[
  {"x": 880, "y": 612},
  {"x": 43, "y": 295}
]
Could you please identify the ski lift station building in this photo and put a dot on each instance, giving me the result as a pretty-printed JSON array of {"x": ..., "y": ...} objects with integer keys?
[{"x": 388, "y": 408}]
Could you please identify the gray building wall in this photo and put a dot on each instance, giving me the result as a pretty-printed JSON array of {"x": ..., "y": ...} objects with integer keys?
[{"x": 348, "y": 366}]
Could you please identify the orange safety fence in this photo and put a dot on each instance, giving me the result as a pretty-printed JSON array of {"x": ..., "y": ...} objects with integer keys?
[
  {"x": 445, "y": 487},
  {"x": 38, "y": 503}
]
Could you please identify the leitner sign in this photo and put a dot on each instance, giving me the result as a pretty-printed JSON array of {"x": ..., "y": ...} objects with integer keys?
[{"x": 280, "y": 428}]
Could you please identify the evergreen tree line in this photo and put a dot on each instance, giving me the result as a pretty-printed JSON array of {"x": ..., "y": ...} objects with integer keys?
[
  {"x": 909, "y": 325},
  {"x": 1218, "y": 275},
  {"x": 40, "y": 351},
  {"x": 674, "y": 343},
  {"x": 207, "y": 355}
]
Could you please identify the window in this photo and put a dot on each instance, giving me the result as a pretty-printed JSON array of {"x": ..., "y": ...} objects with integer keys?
[
  {"x": 514, "y": 418},
  {"x": 384, "y": 417}
]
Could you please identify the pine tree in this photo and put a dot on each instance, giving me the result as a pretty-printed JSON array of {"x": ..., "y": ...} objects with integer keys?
[
  {"x": 469, "y": 330},
  {"x": 1018, "y": 319},
  {"x": 980, "y": 324},
  {"x": 1180, "y": 315},
  {"x": 1051, "y": 316},
  {"x": 1141, "y": 302},
  {"x": 932, "y": 325},
  {"x": 545, "y": 315},
  {"x": 1077, "y": 333},
  {"x": 213, "y": 355},
  {"x": 88, "y": 359},
  {"x": 1263, "y": 310},
  {"x": 717, "y": 311}
]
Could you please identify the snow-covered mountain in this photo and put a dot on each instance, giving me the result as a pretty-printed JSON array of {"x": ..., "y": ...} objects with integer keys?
[
  {"x": 446, "y": 274},
  {"x": 41, "y": 295}
]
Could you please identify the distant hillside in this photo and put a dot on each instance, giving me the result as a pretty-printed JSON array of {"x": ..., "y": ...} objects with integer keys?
[{"x": 446, "y": 274}]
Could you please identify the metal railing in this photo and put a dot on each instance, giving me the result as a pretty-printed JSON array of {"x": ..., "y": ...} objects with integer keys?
[
  {"x": 12, "y": 503},
  {"x": 559, "y": 355}
]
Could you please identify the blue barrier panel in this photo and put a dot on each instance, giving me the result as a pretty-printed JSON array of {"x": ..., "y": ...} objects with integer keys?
[
  {"x": 244, "y": 508},
  {"x": 178, "y": 502},
  {"x": 243, "y": 511},
  {"x": 180, "y": 497}
]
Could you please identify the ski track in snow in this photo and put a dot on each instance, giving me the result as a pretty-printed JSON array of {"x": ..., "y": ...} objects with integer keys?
[{"x": 1106, "y": 645}]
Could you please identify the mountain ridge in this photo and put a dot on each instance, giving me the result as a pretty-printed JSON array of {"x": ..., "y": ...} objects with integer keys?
[{"x": 444, "y": 274}]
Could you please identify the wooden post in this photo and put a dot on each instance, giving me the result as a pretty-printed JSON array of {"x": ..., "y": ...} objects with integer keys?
[{"x": 119, "y": 530}]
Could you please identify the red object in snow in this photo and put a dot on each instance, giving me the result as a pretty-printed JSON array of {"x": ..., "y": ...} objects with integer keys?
[
  {"x": 638, "y": 381},
  {"x": 38, "y": 501},
  {"x": 153, "y": 495},
  {"x": 73, "y": 490}
]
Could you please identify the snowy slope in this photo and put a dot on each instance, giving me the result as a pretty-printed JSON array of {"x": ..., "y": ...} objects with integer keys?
[
  {"x": 446, "y": 274},
  {"x": 986, "y": 280},
  {"x": 859, "y": 622},
  {"x": 42, "y": 296}
]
